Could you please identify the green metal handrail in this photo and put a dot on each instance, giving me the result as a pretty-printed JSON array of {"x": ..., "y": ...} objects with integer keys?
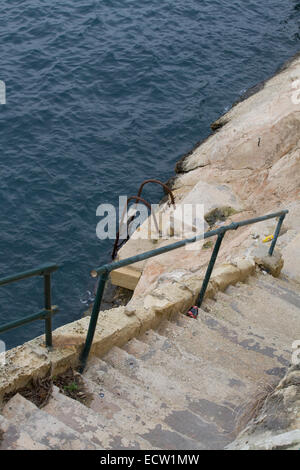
[
  {"x": 104, "y": 270},
  {"x": 44, "y": 270}
]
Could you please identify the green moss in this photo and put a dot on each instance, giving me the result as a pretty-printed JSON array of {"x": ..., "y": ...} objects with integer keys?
[
  {"x": 208, "y": 245},
  {"x": 219, "y": 214}
]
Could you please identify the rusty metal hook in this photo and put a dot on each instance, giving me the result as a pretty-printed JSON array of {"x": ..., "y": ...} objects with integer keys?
[{"x": 117, "y": 246}]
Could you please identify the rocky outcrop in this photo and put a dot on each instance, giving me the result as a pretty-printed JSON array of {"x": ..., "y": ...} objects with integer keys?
[
  {"x": 250, "y": 166},
  {"x": 277, "y": 424}
]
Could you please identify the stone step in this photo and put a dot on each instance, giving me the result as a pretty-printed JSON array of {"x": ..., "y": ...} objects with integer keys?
[
  {"x": 12, "y": 438},
  {"x": 266, "y": 353},
  {"x": 250, "y": 323},
  {"x": 224, "y": 345},
  {"x": 250, "y": 372},
  {"x": 288, "y": 291},
  {"x": 271, "y": 350},
  {"x": 197, "y": 373},
  {"x": 149, "y": 338},
  {"x": 160, "y": 352},
  {"x": 102, "y": 432},
  {"x": 126, "y": 422},
  {"x": 171, "y": 390},
  {"x": 183, "y": 379},
  {"x": 268, "y": 310},
  {"x": 283, "y": 282},
  {"x": 149, "y": 424},
  {"x": 275, "y": 288},
  {"x": 180, "y": 387},
  {"x": 123, "y": 388},
  {"x": 162, "y": 438},
  {"x": 42, "y": 427},
  {"x": 232, "y": 311}
]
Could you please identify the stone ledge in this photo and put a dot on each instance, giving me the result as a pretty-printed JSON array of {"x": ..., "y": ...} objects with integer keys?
[{"x": 272, "y": 264}]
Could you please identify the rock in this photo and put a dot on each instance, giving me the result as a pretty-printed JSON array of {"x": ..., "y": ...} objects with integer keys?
[
  {"x": 285, "y": 239},
  {"x": 264, "y": 229},
  {"x": 292, "y": 220},
  {"x": 272, "y": 264},
  {"x": 257, "y": 132},
  {"x": 246, "y": 268},
  {"x": 213, "y": 196},
  {"x": 225, "y": 275},
  {"x": 277, "y": 424},
  {"x": 285, "y": 441}
]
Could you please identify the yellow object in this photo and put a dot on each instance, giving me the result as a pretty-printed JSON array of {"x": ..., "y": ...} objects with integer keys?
[{"x": 268, "y": 239}]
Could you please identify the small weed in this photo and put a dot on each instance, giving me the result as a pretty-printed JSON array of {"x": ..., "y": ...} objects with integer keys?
[
  {"x": 39, "y": 390},
  {"x": 73, "y": 387},
  {"x": 208, "y": 245},
  {"x": 71, "y": 384}
]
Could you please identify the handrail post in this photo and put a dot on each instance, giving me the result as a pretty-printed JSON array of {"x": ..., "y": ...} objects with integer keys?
[
  {"x": 276, "y": 234},
  {"x": 48, "y": 307},
  {"x": 93, "y": 321},
  {"x": 210, "y": 268}
]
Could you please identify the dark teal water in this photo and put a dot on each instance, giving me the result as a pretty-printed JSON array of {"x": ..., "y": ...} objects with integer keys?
[{"x": 101, "y": 95}]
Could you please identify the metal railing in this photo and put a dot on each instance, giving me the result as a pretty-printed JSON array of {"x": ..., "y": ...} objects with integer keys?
[
  {"x": 104, "y": 270},
  {"x": 45, "y": 314}
]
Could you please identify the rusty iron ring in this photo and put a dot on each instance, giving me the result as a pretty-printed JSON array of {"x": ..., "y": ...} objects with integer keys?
[{"x": 168, "y": 190}]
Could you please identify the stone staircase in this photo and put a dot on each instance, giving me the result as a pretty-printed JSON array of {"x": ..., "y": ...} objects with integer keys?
[{"x": 180, "y": 387}]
